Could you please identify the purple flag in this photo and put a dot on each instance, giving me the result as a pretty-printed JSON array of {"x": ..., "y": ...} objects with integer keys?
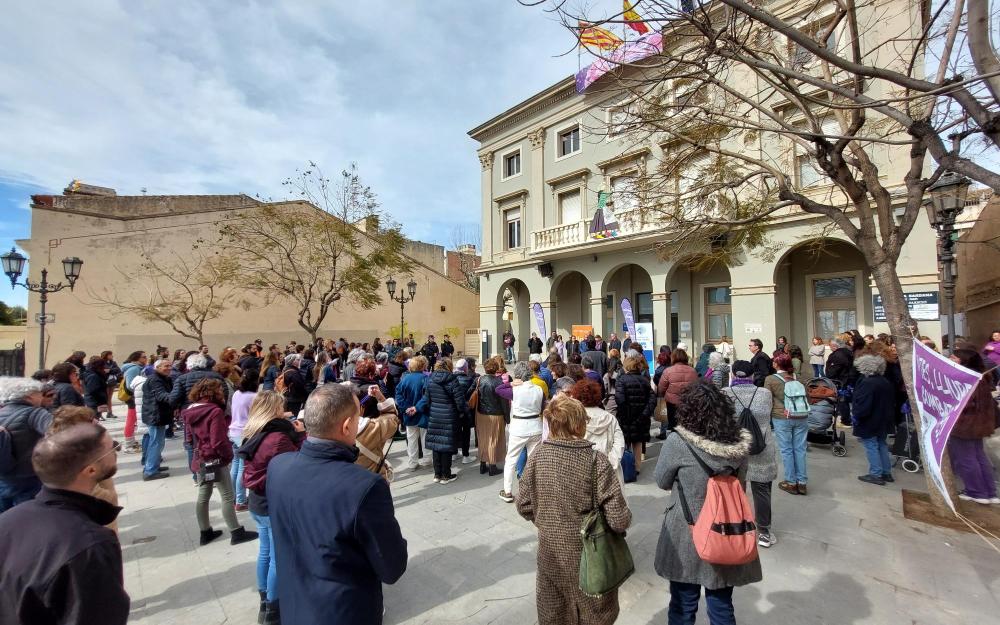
[
  {"x": 942, "y": 388},
  {"x": 629, "y": 319},
  {"x": 631, "y": 52},
  {"x": 539, "y": 319}
]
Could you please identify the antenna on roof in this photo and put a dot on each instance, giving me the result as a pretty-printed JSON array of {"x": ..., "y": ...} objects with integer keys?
[{"x": 143, "y": 190}]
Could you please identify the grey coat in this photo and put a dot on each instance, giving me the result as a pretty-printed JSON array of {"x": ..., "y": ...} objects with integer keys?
[
  {"x": 676, "y": 558},
  {"x": 764, "y": 466}
]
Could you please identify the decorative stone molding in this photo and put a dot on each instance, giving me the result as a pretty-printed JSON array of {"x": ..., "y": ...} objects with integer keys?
[
  {"x": 762, "y": 289},
  {"x": 636, "y": 157},
  {"x": 579, "y": 174},
  {"x": 486, "y": 160},
  {"x": 537, "y": 138}
]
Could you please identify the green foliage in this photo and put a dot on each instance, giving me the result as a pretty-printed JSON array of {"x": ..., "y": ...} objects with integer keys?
[
  {"x": 327, "y": 249},
  {"x": 12, "y": 315}
]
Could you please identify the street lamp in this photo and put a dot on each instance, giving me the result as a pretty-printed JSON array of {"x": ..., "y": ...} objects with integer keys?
[
  {"x": 13, "y": 265},
  {"x": 411, "y": 287},
  {"x": 948, "y": 196}
]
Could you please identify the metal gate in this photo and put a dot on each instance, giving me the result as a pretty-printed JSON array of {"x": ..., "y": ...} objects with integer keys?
[{"x": 12, "y": 361}]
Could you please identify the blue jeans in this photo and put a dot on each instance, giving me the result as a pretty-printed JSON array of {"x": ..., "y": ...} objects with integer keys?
[
  {"x": 791, "y": 437},
  {"x": 509, "y": 353},
  {"x": 267, "y": 575},
  {"x": 236, "y": 471},
  {"x": 684, "y": 604},
  {"x": 879, "y": 460},
  {"x": 817, "y": 371},
  {"x": 190, "y": 456},
  {"x": 152, "y": 448},
  {"x": 14, "y": 491}
]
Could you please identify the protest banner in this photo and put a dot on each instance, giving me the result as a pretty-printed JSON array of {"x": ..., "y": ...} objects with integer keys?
[
  {"x": 539, "y": 318},
  {"x": 942, "y": 388},
  {"x": 629, "y": 317}
]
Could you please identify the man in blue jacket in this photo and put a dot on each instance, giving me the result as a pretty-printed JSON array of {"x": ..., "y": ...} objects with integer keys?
[{"x": 332, "y": 520}]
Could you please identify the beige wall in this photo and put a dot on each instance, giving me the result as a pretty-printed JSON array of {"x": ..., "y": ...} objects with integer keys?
[
  {"x": 11, "y": 336},
  {"x": 978, "y": 292},
  {"x": 109, "y": 245}
]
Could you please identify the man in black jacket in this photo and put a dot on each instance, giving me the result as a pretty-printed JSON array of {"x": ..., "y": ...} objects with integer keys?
[
  {"x": 430, "y": 351},
  {"x": 157, "y": 414},
  {"x": 447, "y": 347},
  {"x": 760, "y": 362},
  {"x": 333, "y": 520},
  {"x": 60, "y": 564},
  {"x": 840, "y": 369},
  {"x": 534, "y": 344}
]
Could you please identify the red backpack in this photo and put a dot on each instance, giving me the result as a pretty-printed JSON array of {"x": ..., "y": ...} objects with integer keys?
[{"x": 725, "y": 532}]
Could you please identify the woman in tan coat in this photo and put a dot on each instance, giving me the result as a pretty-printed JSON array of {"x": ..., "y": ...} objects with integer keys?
[{"x": 555, "y": 494}]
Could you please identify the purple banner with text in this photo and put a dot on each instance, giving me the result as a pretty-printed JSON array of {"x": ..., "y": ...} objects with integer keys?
[
  {"x": 942, "y": 388},
  {"x": 629, "y": 318},
  {"x": 539, "y": 319}
]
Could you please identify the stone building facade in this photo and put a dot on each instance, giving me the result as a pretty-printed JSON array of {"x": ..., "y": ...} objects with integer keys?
[
  {"x": 544, "y": 161},
  {"x": 108, "y": 232}
]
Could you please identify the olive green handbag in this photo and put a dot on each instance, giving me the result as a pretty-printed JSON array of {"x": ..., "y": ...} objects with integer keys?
[{"x": 605, "y": 561}]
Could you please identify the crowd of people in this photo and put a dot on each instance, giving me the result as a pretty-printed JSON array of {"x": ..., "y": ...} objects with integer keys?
[{"x": 298, "y": 434}]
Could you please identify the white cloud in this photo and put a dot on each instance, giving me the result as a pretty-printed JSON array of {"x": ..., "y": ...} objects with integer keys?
[{"x": 194, "y": 97}]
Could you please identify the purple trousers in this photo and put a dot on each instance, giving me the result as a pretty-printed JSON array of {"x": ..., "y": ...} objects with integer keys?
[{"x": 969, "y": 461}]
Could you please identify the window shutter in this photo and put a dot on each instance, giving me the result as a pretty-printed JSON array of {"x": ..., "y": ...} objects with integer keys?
[{"x": 569, "y": 207}]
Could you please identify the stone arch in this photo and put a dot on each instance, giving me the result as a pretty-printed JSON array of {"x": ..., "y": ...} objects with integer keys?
[
  {"x": 700, "y": 309},
  {"x": 822, "y": 286},
  {"x": 627, "y": 279},
  {"x": 514, "y": 313},
  {"x": 570, "y": 300}
]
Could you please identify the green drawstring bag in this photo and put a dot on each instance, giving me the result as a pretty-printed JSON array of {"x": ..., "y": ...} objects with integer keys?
[{"x": 605, "y": 562}]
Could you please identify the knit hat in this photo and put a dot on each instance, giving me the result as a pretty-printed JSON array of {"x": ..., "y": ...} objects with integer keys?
[
  {"x": 742, "y": 369},
  {"x": 682, "y": 345},
  {"x": 461, "y": 366}
]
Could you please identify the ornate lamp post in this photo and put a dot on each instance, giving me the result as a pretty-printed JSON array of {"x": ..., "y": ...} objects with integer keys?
[
  {"x": 13, "y": 265},
  {"x": 411, "y": 287},
  {"x": 947, "y": 202}
]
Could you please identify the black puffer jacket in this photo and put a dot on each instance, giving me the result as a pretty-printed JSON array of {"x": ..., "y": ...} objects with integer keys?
[
  {"x": 467, "y": 381},
  {"x": 636, "y": 402},
  {"x": 396, "y": 371},
  {"x": 873, "y": 406},
  {"x": 95, "y": 387},
  {"x": 489, "y": 401},
  {"x": 66, "y": 395},
  {"x": 186, "y": 381},
  {"x": 156, "y": 406},
  {"x": 447, "y": 407},
  {"x": 840, "y": 367}
]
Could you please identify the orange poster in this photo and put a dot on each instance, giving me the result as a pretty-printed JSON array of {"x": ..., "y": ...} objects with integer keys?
[{"x": 582, "y": 332}]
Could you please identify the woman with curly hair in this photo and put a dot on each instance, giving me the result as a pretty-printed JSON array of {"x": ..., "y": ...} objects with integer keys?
[
  {"x": 206, "y": 430},
  {"x": 705, "y": 433}
]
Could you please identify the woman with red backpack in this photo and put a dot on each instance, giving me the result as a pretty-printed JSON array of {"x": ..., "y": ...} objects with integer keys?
[{"x": 701, "y": 464}]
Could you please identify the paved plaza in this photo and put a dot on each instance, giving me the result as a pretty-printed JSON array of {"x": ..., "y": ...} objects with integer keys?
[{"x": 845, "y": 554}]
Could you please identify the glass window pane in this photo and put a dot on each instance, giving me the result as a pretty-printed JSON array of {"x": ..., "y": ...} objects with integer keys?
[
  {"x": 718, "y": 295},
  {"x": 833, "y": 287},
  {"x": 644, "y": 303},
  {"x": 832, "y": 322},
  {"x": 719, "y": 325}
]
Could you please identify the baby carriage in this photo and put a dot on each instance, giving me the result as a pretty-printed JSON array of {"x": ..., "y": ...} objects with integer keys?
[
  {"x": 906, "y": 447},
  {"x": 822, "y": 394}
]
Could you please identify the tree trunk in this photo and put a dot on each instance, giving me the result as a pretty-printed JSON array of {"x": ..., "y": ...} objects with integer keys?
[{"x": 903, "y": 329}]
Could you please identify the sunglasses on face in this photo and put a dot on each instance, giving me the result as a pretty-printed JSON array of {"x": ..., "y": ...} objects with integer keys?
[{"x": 115, "y": 446}]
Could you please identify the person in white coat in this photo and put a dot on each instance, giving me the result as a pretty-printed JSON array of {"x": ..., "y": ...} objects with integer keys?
[
  {"x": 602, "y": 426},
  {"x": 136, "y": 386}
]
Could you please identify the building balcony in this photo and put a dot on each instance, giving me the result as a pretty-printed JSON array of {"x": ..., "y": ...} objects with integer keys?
[{"x": 630, "y": 223}]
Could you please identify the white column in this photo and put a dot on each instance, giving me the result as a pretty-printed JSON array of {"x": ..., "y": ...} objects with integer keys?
[
  {"x": 537, "y": 193},
  {"x": 486, "y": 160}
]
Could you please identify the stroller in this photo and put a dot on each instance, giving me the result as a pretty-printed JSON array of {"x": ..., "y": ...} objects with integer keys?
[
  {"x": 906, "y": 447},
  {"x": 822, "y": 394}
]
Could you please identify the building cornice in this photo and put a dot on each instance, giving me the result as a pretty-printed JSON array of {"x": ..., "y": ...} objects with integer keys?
[
  {"x": 513, "y": 195},
  {"x": 573, "y": 175},
  {"x": 624, "y": 158},
  {"x": 542, "y": 100}
]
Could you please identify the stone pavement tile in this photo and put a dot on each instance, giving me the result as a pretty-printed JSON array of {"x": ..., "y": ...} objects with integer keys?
[{"x": 845, "y": 556}]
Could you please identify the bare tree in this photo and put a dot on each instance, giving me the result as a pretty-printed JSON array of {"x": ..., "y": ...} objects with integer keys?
[
  {"x": 466, "y": 241},
  {"x": 764, "y": 116},
  {"x": 184, "y": 292},
  {"x": 331, "y": 249}
]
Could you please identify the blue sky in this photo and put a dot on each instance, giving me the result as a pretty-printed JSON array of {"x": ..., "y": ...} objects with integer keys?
[{"x": 195, "y": 97}]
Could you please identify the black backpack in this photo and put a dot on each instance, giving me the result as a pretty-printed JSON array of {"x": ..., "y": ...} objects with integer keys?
[{"x": 749, "y": 423}]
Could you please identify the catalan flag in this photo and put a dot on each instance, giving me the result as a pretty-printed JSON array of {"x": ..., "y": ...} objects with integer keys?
[
  {"x": 633, "y": 20},
  {"x": 597, "y": 37}
]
